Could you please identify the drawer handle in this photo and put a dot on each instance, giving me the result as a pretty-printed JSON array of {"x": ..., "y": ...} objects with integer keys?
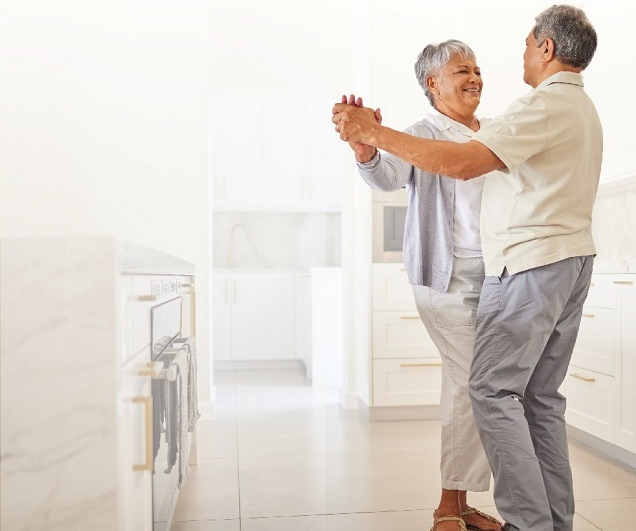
[
  {"x": 152, "y": 369},
  {"x": 409, "y": 316},
  {"x": 420, "y": 364},
  {"x": 144, "y": 298},
  {"x": 590, "y": 315},
  {"x": 147, "y": 402},
  {"x": 584, "y": 378},
  {"x": 624, "y": 282}
]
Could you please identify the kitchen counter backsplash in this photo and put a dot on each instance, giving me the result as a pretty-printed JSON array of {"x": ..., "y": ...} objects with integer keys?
[
  {"x": 614, "y": 228},
  {"x": 257, "y": 240}
]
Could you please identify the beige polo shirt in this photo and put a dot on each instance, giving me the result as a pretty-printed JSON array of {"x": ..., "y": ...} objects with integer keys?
[{"x": 540, "y": 210}]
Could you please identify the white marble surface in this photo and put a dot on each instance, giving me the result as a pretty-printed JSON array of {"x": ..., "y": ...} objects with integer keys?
[
  {"x": 292, "y": 241},
  {"x": 59, "y": 383},
  {"x": 614, "y": 228}
]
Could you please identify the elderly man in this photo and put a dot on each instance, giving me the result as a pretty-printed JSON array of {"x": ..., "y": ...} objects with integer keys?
[{"x": 538, "y": 253}]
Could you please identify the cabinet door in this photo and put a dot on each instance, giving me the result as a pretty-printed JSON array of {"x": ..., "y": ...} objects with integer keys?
[
  {"x": 597, "y": 344},
  {"x": 136, "y": 452},
  {"x": 284, "y": 141},
  {"x": 328, "y": 158},
  {"x": 222, "y": 296},
  {"x": 590, "y": 402},
  {"x": 264, "y": 316},
  {"x": 391, "y": 288},
  {"x": 626, "y": 400},
  {"x": 236, "y": 148},
  {"x": 401, "y": 335},
  {"x": 410, "y": 382}
]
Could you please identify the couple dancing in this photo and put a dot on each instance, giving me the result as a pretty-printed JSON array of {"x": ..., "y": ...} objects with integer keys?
[{"x": 499, "y": 287}]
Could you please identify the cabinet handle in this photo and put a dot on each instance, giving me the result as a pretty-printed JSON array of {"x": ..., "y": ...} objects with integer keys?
[
  {"x": 186, "y": 285},
  {"x": 584, "y": 378},
  {"x": 152, "y": 369},
  {"x": 144, "y": 298},
  {"x": 147, "y": 402},
  {"x": 420, "y": 364},
  {"x": 624, "y": 282},
  {"x": 590, "y": 315},
  {"x": 409, "y": 316}
]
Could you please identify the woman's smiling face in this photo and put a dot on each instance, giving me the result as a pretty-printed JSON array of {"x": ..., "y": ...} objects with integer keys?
[{"x": 457, "y": 87}]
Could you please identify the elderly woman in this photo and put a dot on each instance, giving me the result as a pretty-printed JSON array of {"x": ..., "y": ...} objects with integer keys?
[{"x": 442, "y": 255}]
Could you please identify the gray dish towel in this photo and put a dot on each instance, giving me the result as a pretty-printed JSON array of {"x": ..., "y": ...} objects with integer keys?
[{"x": 185, "y": 360}]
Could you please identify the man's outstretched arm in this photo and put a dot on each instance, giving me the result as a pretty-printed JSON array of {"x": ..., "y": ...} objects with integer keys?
[{"x": 461, "y": 161}]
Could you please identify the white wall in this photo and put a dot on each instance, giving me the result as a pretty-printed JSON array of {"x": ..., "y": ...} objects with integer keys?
[{"x": 103, "y": 126}]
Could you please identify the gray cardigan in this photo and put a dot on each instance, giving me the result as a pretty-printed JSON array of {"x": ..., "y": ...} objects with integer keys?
[{"x": 428, "y": 232}]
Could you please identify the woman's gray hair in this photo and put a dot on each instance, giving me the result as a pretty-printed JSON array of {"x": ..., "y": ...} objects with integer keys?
[
  {"x": 573, "y": 35},
  {"x": 434, "y": 57}
]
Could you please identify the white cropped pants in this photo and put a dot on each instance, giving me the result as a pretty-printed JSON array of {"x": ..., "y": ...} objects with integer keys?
[{"x": 450, "y": 321}]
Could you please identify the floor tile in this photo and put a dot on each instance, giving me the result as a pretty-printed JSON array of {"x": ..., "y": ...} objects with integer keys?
[
  {"x": 217, "y": 439},
  {"x": 283, "y": 456},
  {"x": 211, "y": 492},
  {"x": 207, "y": 525},
  {"x": 377, "y": 521},
  {"x": 609, "y": 515}
]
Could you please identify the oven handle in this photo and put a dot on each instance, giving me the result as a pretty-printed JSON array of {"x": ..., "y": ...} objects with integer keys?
[{"x": 147, "y": 402}]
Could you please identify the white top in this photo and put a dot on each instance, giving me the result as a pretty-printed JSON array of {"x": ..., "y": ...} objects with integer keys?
[
  {"x": 539, "y": 213},
  {"x": 467, "y": 208}
]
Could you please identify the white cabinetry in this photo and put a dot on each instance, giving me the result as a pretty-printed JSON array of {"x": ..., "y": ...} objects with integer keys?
[
  {"x": 406, "y": 363},
  {"x": 254, "y": 316},
  {"x": 275, "y": 153},
  {"x": 600, "y": 393}
]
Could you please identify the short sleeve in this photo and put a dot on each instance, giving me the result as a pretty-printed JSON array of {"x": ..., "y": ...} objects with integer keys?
[{"x": 518, "y": 134}]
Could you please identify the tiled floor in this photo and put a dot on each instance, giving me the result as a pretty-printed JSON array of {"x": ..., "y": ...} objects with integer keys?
[{"x": 282, "y": 456}]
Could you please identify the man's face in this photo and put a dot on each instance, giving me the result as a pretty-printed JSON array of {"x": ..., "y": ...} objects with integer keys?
[{"x": 532, "y": 59}]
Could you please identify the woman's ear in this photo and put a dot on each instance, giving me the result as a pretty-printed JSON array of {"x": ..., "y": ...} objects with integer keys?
[{"x": 431, "y": 83}]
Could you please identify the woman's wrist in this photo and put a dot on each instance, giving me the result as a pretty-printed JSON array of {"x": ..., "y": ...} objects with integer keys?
[{"x": 369, "y": 159}]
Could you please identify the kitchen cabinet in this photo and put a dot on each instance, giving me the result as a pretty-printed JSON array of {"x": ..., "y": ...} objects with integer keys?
[
  {"x": 254, "y": 315},
  {"x": 406, "y": 364},
  {"x": 75, "y": 382},
  {"x": 275, "y": 153},
  {"x": 325, "y": 361},
  {"x": 599, "y": 389}
]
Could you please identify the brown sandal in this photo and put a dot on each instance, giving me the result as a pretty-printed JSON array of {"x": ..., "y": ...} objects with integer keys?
[
  {"x": 438, "y": 519},
  {"x": 472, "y": 510}
]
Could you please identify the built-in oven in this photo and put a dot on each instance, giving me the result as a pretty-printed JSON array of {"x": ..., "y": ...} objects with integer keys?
[
  {"x": 388, "y": 219},
  {"x": 166, "y": 319}
]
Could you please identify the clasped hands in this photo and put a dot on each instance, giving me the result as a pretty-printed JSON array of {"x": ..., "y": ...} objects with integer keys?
[{"x": 356, "y": 125}]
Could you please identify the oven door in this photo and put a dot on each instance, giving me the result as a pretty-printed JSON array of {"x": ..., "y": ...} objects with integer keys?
[
  {"x": 388, "y": 231},
  {"x": 165, "y": 328}
]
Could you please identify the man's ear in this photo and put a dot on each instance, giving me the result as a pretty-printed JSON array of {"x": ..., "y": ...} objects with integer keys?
[{"x": 547, "y": 48}]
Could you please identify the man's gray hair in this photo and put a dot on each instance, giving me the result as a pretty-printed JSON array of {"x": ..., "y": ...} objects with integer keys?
[
  {"x": 434, "y": 57},
  {"x": 573, "y": 35}
]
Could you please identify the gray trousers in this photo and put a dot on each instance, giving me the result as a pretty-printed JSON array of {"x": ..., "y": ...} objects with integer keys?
[{"x": 526, "y": 329}]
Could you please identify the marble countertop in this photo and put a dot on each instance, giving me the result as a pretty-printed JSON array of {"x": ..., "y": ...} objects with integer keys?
[
  {"x": 133, "y": 258},
  {"x": 615, "y": 266}
]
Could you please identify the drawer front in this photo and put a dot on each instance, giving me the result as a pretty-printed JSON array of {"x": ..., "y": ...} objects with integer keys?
[
  {"x": 602, "y": 292},
  {"x": 391, "y": 288},
  {"x": 407, "y": 382},
  {"x": 401, "y": 335},
  {"x": 590, "y": 402},
  {"x": 597, "y": 341}
]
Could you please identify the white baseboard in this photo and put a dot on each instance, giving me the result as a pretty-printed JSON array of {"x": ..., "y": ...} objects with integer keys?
[{"x": 606, "y": 448}]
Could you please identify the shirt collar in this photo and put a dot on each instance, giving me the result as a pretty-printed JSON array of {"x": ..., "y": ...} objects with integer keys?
[
  {"x": 443, "y": 122},
  {"x": 571, "y": 78}
]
